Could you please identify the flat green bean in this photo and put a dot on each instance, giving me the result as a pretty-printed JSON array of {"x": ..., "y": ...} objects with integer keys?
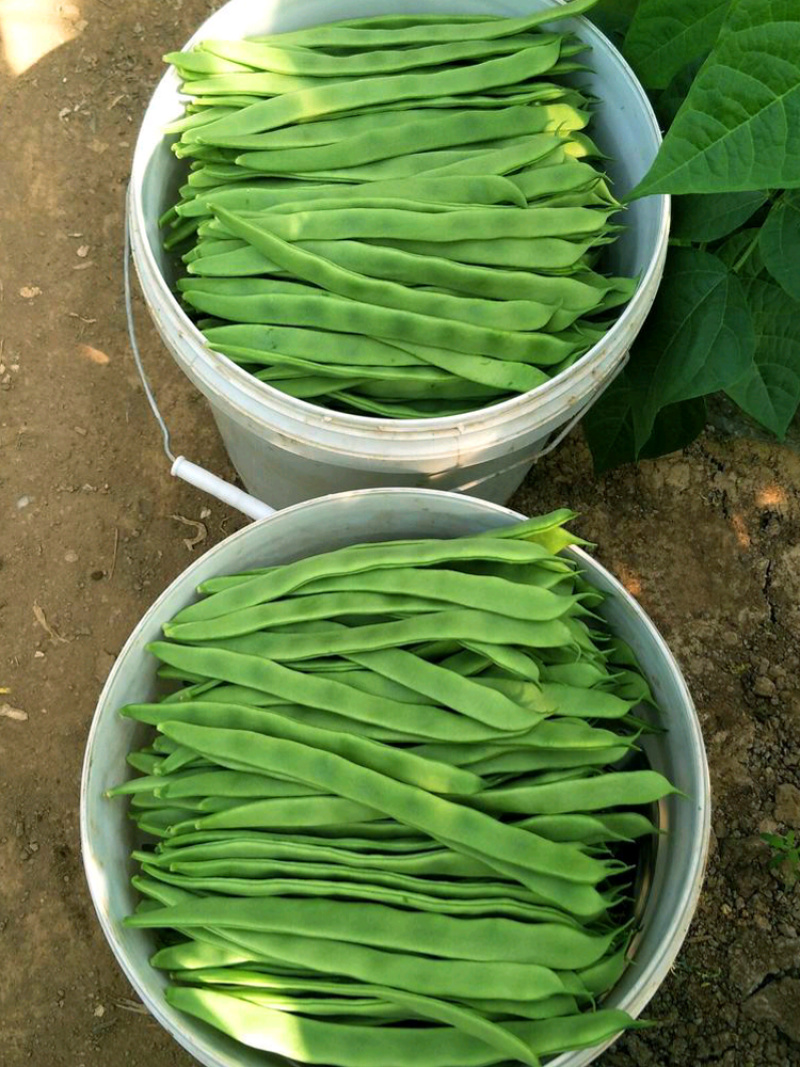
[
  {"x": 397, "y": 763},
  {"x": 406, "y": 803},
  {"x": 399, "y": 30},
  {"x": 423, "y": 720},
  {"x": 421, "y": 135},
  {"x": 243, "y": 54},
  {"x": 442, "y": 936},
  {"x": 592, "y": 794},
  {"x": 333, "y": 313},
  {"x": 347, "y": 95},
  {"x": 356, "y": 559},
  {"x": 508, "y": 316},
  {"x": 352, "y": 1046}
]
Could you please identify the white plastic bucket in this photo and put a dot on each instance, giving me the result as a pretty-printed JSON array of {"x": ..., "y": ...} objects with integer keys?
[
  {"x": 286, "y": 450},
  {"x": 107, "y": 836}
]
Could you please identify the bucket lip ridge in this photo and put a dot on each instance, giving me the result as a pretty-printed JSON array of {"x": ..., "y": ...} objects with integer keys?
[
  {"x": 681, "y": 908},
  {"x": 202, "y": 355}
]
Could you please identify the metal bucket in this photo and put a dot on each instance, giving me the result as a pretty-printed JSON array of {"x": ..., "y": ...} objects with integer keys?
[
  {"x": 675, "y": 871},
  {"x": 286, "y": 450}
]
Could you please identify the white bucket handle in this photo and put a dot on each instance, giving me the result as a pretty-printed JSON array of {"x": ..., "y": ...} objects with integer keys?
[{"x": 182, "y": 467}]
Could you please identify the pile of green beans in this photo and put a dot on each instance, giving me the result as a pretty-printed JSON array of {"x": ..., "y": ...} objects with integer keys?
[
  {"x": 396, "y": 217},
  {"x": 398, "y": 804}
]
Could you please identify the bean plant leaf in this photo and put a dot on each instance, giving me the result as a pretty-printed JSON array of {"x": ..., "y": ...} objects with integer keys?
[
  {"x": 613, "y": 17},
  {"x": 698, "y": 338},
  {"x": 666, "y": 34},
  {"x": 668, "y": 103},
  {"x": 704, "y": 218},
  {"x": 741, "y": 252},
  {"x": 608, "y": 426},
  {"x": 675, "y": 427},
  {"x": 780, "y": 244},
  {"x": 770, "y": 390},
  {"x": 739, "y": 127}
]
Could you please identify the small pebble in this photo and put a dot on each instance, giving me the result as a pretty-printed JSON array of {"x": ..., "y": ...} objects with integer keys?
[
  {"x": 71, "y": 556},
  {"x": 787, "y": 805},
  {"x": 764, "y": 687},
  {"x": 22, "y": 502}
]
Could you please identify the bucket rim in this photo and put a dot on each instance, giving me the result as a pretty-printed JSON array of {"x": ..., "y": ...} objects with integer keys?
[{"x": 316, "y": 416}]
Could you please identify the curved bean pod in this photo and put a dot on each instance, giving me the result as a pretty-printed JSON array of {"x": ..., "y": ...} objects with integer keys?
[
  {"x": 428, "y": 721},
  {"x": 508, "y": 316},
  {"x": 335, "y": 314},
  {"x": 394, "y": 30},
  {"x": 397, "y": 763},
  {"x": 405, "y": 803},
  {"x": 355, "y": 559},
  {"x": 347, "y": 95},
  {"x": 592, "y": 794},
  {"x": 443, "y": 936},
  {"x": 315, "y": 1042}
]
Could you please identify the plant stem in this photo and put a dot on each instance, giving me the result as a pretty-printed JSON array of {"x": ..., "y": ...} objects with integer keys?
[{"x": 743, "y": 258}]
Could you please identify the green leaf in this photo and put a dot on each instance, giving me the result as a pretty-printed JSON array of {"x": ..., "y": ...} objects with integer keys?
[
  {"x": 770, "y": 389},
  {"x": 741, "y": 252},
  {"x": 704, "y": 218},
  {"x": 739, "y": 127},
  {"x": 676, "y": 426},
  {"x": 614, "y": 17},
  {"x": 608, "y": 426},
  {"x": 668, "y": 103},
  {"x": 698, "y": 338},
  {"x": 666, "y": 34},
  {"x": 780, "y": 244}
]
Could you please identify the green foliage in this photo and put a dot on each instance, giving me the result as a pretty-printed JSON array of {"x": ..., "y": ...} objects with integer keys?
[
  {"x": 609, "y": 427},
  {"x": 786, "y": 853},
  {"x": 724, "y": 77},
  {"x": 739, "y": 127},
  {"x": 664, "y": 35},
  {"x": 703, "y": 218},
  {"x": 614, "y": 17},
  {"x": 770, "y": 389},
  {"x": 779, "y": 244},
  {"x": 698, "y": 339}
]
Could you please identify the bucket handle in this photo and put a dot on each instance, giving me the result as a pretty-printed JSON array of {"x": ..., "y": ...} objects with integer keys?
[{"x": 182, "y": 468}]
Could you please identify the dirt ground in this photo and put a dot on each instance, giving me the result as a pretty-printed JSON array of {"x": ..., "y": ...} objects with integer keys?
[{"x": 93, "y": 528}]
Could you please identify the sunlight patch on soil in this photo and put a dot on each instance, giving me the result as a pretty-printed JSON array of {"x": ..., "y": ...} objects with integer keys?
[{"x": 29, "y": 29}]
